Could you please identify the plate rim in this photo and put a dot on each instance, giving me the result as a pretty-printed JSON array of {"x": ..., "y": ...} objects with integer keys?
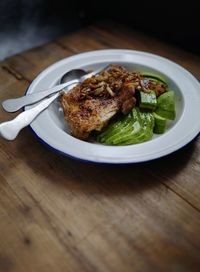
[{"x": 121, "y": 51}]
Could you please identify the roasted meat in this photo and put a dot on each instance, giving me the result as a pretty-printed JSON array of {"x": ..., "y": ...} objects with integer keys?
[
  {"x": 88, "y": 114},
  {"x": 91, "y": 104}
]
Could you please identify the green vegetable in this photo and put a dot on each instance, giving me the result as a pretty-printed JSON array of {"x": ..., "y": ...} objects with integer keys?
[
  {"x": 147, "y": 100},
  {"x": 134, "y": 131},
  {"x": 114, "y": 128},
  {"x": 166, "y": 105},
  {"x": 137, "y": 127},
  {"x": 160, "y": 124},
  {"x": 154, "y": 77},
  {"x": 144, "y": 132}
]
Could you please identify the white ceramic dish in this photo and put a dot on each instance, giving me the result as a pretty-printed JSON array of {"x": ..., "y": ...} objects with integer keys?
[{"x": 52, "y": 130}]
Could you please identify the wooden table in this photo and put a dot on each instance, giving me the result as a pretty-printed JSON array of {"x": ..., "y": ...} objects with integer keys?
[{"x": 57, "y": 214}]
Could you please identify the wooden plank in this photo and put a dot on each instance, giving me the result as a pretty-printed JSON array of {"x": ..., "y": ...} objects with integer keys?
[
  {"x": 113, "y": 221},
  {"x": 182, "y": 177},
  {"x": 27, "y": 235},
  {"x": 81, "y": 41},
  {"x": 10, "y": 87},
  {"x": 57, "y": 214},
  {"x": 119, "y": 36},
  {"x": 30, "y": 63}
]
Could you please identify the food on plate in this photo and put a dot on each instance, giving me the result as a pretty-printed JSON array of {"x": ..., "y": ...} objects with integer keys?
[
  {"x": 147, "y": 100},
  {"x": 122, "y": 107},
  {"x": 166, "y": 105},
  {"x": 135, "y": 128},
  {"x": 90, "y": 105},
  {"x": 159, "y": 124}
]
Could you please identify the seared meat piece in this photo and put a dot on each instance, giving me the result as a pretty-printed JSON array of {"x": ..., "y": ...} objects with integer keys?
[
  {"x": 90, "y": 105},
  {"x": 126, "y": 97},
  {"x": 87, "y": 115}
]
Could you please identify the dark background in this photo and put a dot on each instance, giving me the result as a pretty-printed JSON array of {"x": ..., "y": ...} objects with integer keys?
[{"x": 25, "y": 24}]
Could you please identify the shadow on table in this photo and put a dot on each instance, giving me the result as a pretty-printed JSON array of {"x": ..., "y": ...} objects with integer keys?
[{"x": 93, "y": 178}]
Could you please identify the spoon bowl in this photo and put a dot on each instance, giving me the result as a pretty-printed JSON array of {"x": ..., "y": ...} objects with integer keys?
[{"x": 72, "y": 74}]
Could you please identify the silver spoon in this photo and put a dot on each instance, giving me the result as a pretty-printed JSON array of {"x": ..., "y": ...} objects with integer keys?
[
  {"x": 10, "y": 129},
  {"x": 14, "y": 104}
]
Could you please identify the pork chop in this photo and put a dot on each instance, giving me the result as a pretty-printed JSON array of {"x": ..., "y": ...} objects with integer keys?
[{"x": 90, "y": 105}]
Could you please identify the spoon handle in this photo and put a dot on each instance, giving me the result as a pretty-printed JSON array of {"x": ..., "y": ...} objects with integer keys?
[
  {"x": 9, "y": 130},
  {"x": 12, "y": 105}
]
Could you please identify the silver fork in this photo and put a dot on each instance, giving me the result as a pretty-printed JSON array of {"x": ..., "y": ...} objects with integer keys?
[
  {"x": 78, "y": 75},
  {"x": 10, "y": 129}
]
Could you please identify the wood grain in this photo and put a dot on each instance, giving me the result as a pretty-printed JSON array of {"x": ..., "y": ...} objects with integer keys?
[
  {"x": 82, "y": 41},
  {"x": 30, "y": 63},
  {"x": 57, "y": 214},
  {"x": 119, "y": 37}
]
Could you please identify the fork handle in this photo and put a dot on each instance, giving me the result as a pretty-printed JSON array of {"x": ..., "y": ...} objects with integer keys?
[
  {"x": 12, "y": 105},
  {"x": 10, "y": 129}
]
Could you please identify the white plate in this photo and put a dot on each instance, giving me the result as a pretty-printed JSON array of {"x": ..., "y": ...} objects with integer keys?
[{"x": 52, "y": 130}]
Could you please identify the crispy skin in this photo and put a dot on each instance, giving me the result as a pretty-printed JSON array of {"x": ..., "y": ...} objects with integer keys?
[
  {"x": 88, "y": 114},
  {"x": 90, "y": 105}
]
